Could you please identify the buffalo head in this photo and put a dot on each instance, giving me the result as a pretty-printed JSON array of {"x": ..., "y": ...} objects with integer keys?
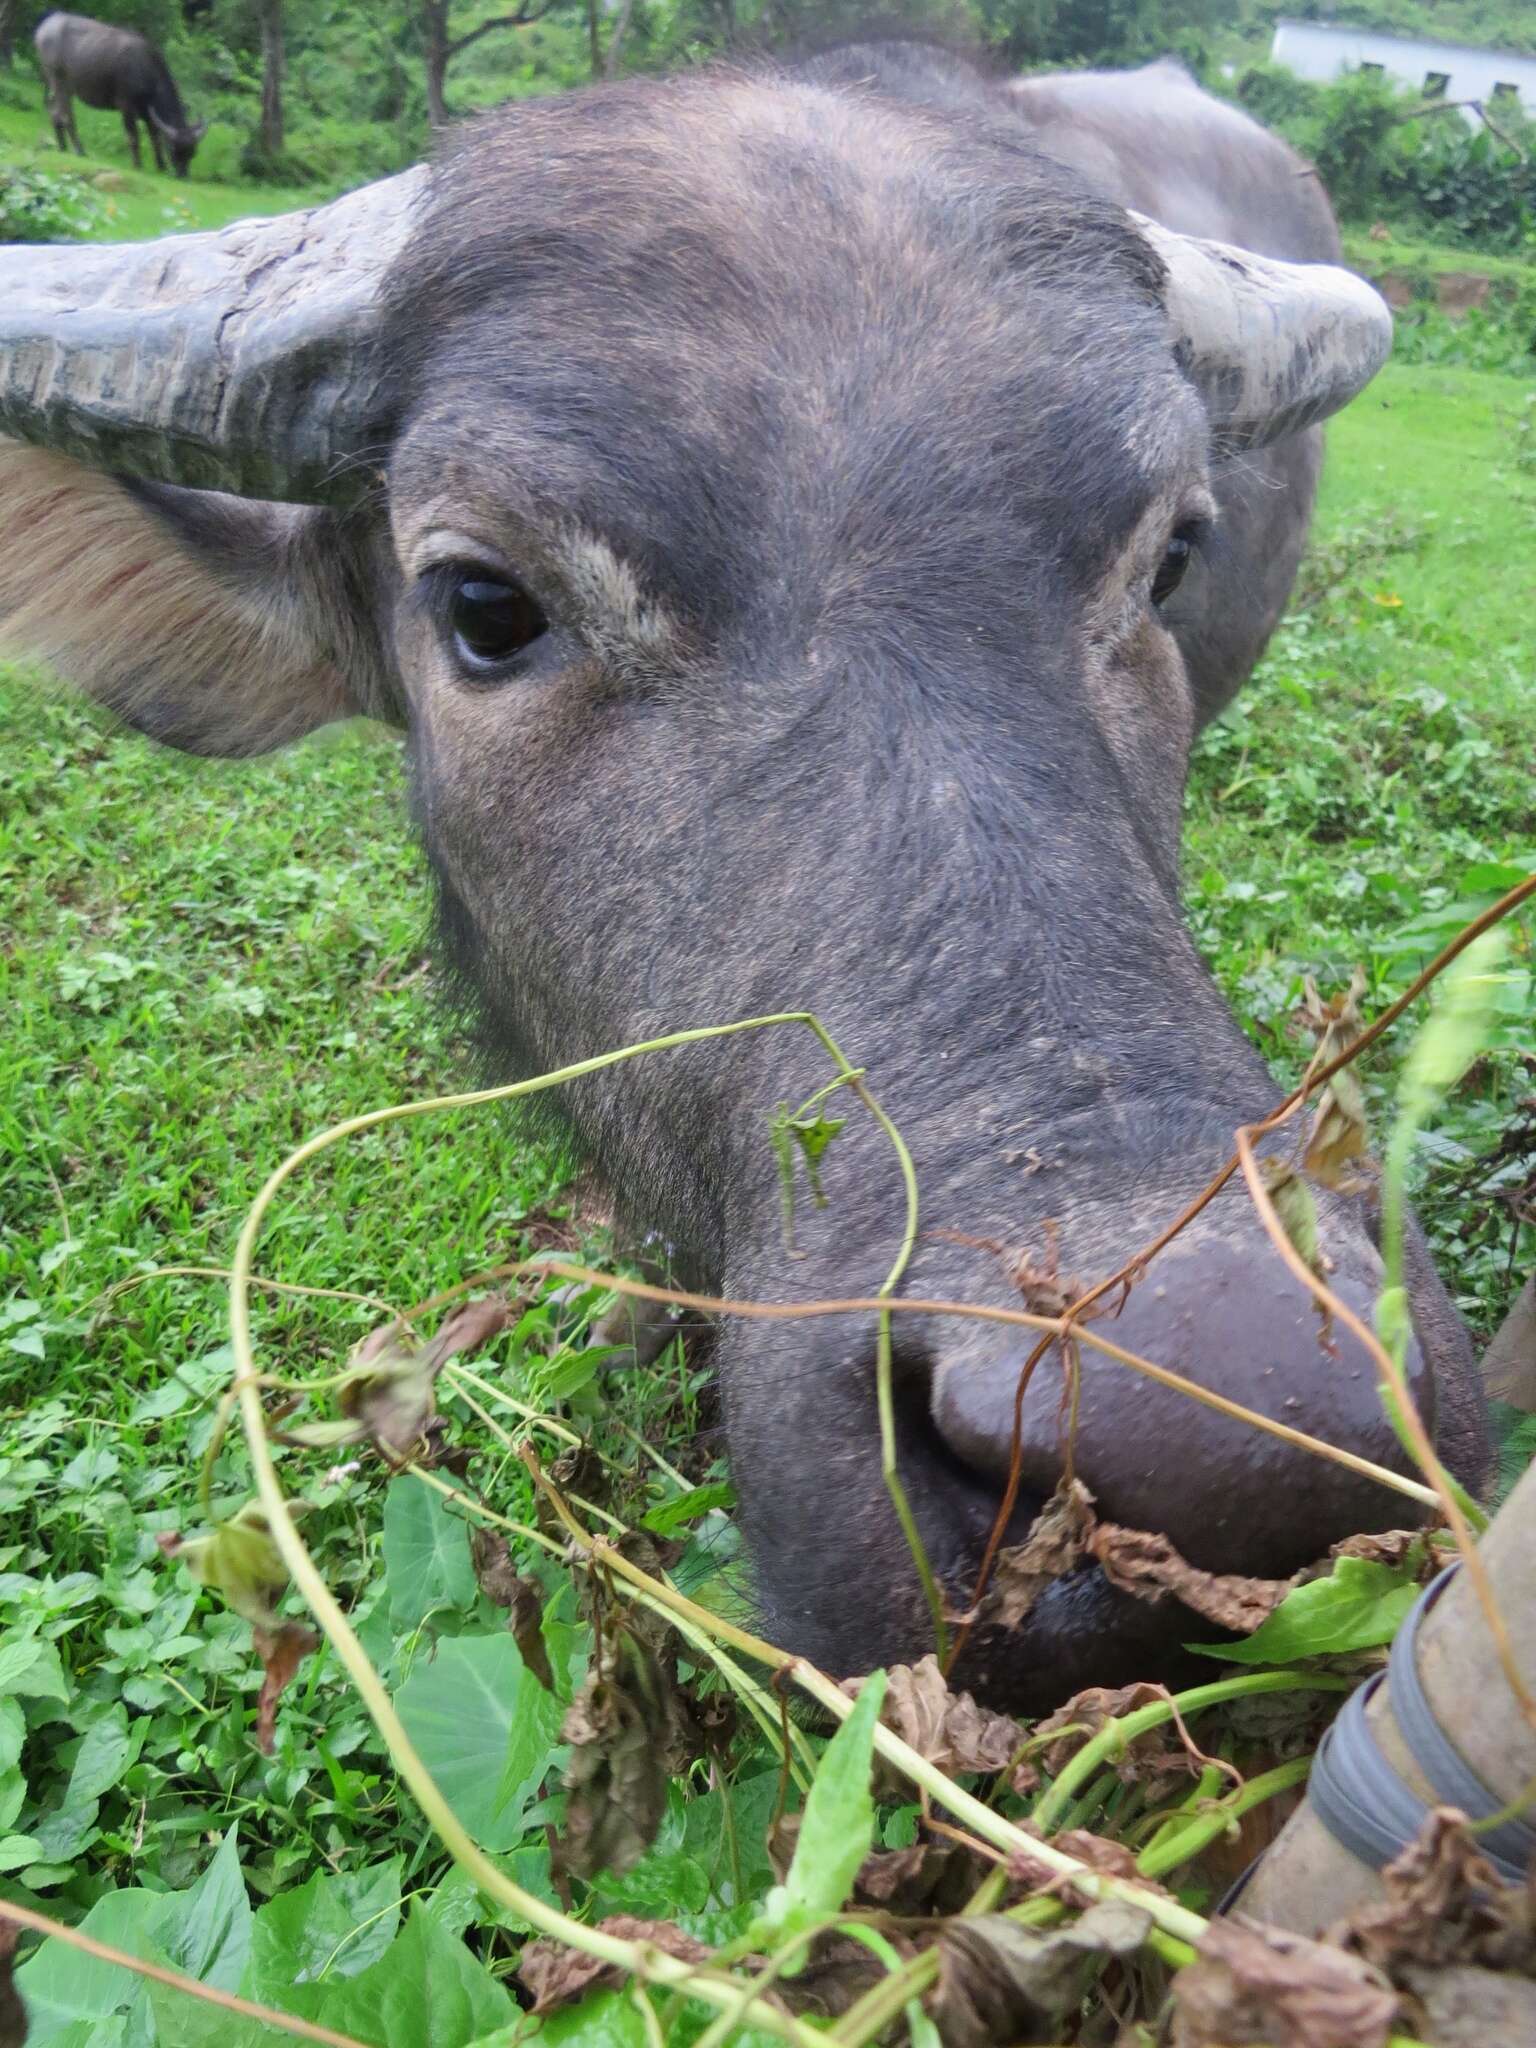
[{"x": 779, "y": 518}]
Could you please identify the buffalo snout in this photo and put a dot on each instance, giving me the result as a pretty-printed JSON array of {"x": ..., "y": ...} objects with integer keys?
[{"x": 1221, "y": 1309}]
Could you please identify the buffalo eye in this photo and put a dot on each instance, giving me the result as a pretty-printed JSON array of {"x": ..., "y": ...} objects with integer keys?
[
  {"x": 1177, "y": 557},
  {"x": 491, "y": 621}
]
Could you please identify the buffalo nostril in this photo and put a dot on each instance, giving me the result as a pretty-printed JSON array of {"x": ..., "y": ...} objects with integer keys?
[{"x": 1224, "y": 1312}]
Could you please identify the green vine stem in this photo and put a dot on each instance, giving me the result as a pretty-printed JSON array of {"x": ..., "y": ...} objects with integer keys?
[
  {"x": 985, "y": 1312},
  {"x": 1171, "y": 1850},
  {"x": 802, "y": 1763},
  {"x": 1115, "y": 1736},
  {"x": 242, "y": 1277}
]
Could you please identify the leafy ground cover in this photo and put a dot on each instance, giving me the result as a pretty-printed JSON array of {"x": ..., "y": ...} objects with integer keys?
[{"x": 201, "y": 965}]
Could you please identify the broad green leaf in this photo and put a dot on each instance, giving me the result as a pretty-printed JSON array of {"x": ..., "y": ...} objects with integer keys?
[
  {"x": 13, "y": 1732},
  {"x": 61, "y": 1986},
  {"x": 31, "y": 1666},
  {"x": 1359, "y": 1605},
  {"x": 687, "y": 1507},
  {"x": 836, "y": 1827},
  {"x": 181, "y": 2021},
  {"x": 485, "y": 1728},
  {"x": 603, "y": 2019},
  {"x": 206, "y": 1931},
  {"x": 426, "y": 1554},
  {"x": 329, "y": 1927},
  {"x": 64, "y": 1831},
  {"x": 16, "y": 1851},
  {"x": 104, "y": 1751},
  {"x": 425, "y": 1991}
]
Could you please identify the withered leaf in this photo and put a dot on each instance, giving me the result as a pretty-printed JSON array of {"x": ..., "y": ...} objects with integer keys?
[
  {"x": 619, "y": 1727},
  {"x": 949, "y": 1729},
  {"x": 1096, "y": 1852},
  {"x": 1396, "y": 1548},
  {"x": 1057, "y": 1542},
  {"x": 836, "y": 1976},
  {"x": 238, "y": 1559},
  {"x": 554, "y": 1975},
  {"x": 1467, "y": 2007},
  {"x": 1444, "y": 1903},
  {"x": 934, "y": 1875},
  {"x": 1296, "y": 1208},
  {"x": 1086, "y": 1713},
  {"x": 388, "y": 1393},
  {"x": 523, "y": 1597},
  {"x": 13, "y": 2014},
  {"x": 1258, "y": 1987},
  {"x": 280, "y": 1649},
  {"x": 999, "y": 1981},
  {"x": 1339, "y": 1137},
  {"x": 1142, "y": 1562}
]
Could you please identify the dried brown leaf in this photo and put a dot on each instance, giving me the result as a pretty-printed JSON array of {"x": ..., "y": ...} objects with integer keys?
[
  {"x": 556, "y": 1975},
  {"x": 505, "y": 1586},
  {"x": 1258, "y": 1987},
  {"x": 389, "y": 1391},
  {"x": 837, "y": 1975},
  {"x": 1142, "y": 1562},
  {"x": 1472, "y": 2008},
  {"x": 1394, "y": 1547},
  {"x": 1444, "y": 1903},
  {"x": 1085, "y": 1714},
  {"x": 619, "y": 1727},
  {"x": 1338, "y": 1139},
  {"x": 934, "y": 1876},
  {"x": 1057, "y": 1542},
  {"x": 949, "y": 1729},
  {"x": 1096, "y": 1852},
  {"x": 1000, "y": 1982},
  {"x": 281, "y": 1650}
]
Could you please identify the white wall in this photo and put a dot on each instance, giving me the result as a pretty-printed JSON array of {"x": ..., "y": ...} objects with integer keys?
[{"x": 1324, "y": 50}]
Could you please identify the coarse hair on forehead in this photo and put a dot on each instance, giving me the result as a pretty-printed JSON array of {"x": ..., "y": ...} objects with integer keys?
[{"x": 723, "y": 198}]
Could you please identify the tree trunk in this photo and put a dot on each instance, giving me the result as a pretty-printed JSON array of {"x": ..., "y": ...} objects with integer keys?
[
  {"x": 434, "y": 15},
  {"x": 7, "y": 33},
  {"x": 616, "y": 40},
  {"x": 594, "y": 40},
  {"x": 1308, "y": 1880},
  {"x": 272, "y": 65}
]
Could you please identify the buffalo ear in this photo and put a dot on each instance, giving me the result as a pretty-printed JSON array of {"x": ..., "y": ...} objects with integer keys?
[{"x": 214, "y": 624}]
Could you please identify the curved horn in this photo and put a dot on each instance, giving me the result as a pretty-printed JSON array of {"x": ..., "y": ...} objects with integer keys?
[
  {"x": 1271, "y": 347},
  {"x": 236, "y": 361}
]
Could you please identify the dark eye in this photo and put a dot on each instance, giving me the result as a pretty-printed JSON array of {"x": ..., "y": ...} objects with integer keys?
[
  {"x": 1176, "y": 559},
  {"x": 491, "y": 621}
]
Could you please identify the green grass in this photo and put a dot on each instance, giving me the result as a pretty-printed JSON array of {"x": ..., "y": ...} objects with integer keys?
[
  {"x": 139, "y": 204},
  {"x": 202, "y": 964}
]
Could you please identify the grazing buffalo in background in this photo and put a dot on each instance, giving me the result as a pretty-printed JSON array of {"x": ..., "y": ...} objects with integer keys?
[
  {"x": 114, "y": 68},
  {"x": 800, "y": 522}
]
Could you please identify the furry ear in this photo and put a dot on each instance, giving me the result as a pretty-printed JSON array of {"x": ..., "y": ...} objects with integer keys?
[{"x": 214, "y": 624}]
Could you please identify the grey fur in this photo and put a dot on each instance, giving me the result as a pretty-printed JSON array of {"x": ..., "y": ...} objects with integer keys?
[{"x": 839, "y": 431}]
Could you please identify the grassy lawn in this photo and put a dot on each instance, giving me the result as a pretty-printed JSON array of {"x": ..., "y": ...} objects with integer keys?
[
  {"x": 201, "y": 964},
  {"x": 136, "y": 205}
]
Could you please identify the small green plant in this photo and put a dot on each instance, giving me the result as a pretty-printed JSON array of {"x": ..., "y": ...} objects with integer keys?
[{"x": 38, "y": 205}]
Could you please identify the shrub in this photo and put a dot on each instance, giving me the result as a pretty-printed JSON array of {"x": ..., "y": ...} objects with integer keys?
[{"x": 46, "y": 206}]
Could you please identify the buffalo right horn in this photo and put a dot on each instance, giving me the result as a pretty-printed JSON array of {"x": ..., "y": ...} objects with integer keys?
[
  {"x": 1271, "y": 347},
  {"x": 235, "y": 361}
]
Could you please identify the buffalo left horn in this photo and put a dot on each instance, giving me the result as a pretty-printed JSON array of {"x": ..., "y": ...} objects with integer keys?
[
  {"x": 233, "y": 361},
  {"x": 1271, "y": 347}
]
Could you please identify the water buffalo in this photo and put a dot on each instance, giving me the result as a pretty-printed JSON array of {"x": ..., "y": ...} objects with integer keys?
[
  {"x": 113, "y": 67},
  {"x": 799, "y": 521}
]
